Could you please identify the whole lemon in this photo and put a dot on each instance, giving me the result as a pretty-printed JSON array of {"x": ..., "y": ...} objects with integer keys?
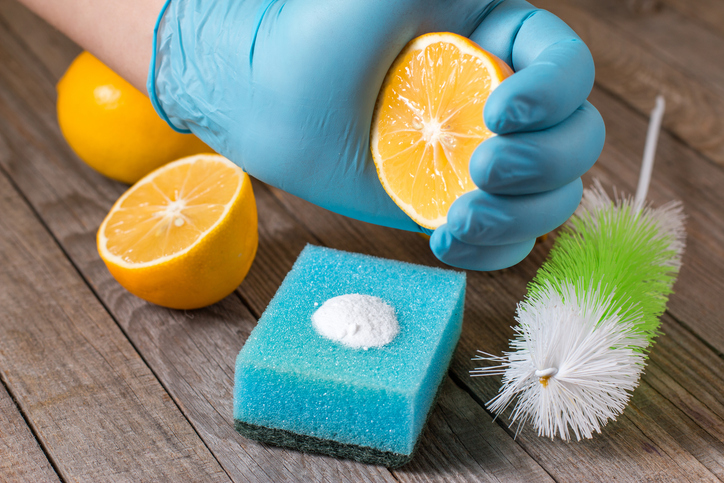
[{"x": 112, "y": 126}]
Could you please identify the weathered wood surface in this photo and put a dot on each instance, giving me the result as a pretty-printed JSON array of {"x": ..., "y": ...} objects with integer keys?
[
  {"x": 21, "y": 458},
  {"x": 98, "y": 410},
  {"x": 673, "y": 429},
  {"x": 656, "y": 51}
]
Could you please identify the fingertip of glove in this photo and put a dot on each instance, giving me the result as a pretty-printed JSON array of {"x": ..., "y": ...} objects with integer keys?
[
  {"x": 467, "y": 218},
  {"x": 455, "y": 253},
  {"x": 491, "y": 165},
  {"x": 440, "y": 242},
  {"x": 481, "y": 163}
]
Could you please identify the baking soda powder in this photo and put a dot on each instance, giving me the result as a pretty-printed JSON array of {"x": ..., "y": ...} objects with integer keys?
[{"x": 357, "y": 321}]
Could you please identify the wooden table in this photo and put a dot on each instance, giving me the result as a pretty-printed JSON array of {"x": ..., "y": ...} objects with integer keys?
[{"x": 98, "y": 385}]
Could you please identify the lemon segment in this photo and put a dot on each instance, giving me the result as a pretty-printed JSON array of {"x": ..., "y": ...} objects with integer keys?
[{"x": 428, "y": 120}]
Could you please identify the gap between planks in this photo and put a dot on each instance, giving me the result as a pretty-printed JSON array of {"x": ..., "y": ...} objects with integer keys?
[
  {"x": 22, "y": 458},
  {"x": 145, "y": 350},
  {"x": 85, "y": 401}
]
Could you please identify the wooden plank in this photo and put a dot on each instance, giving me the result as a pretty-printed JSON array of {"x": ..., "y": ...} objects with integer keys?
[
  {"x": 667, "y": 34},
  {"x": 94, "y": 404},
  {"x": 695, "y": 110},
  {"x": 480, "y": 450},
  {"x": 687, "y": 442},
  {"x": 699, "y": 373},
  {"x": 21, "y": 458},
  {"x": 709, "y": 13},
  {"x": 639, "y": 451},
  {"x": 193, "y": 352},
  {"x": 183, "y": 351},
  {"x": 681, "y": 395}
]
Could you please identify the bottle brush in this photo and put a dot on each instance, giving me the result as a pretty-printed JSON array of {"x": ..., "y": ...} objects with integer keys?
[{"x": 592, "y": 311}]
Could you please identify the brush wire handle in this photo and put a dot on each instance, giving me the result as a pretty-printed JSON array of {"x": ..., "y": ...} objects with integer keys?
[{"x": 652, "y": 140}]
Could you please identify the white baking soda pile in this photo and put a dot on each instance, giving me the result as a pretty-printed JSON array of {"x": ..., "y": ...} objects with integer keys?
[{"x": 357, "y": 321}]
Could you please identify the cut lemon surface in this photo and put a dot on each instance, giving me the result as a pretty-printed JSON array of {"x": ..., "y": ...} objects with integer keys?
[
  {"x": 185, "y": 235},
  {"x": 428, "y": 120}
]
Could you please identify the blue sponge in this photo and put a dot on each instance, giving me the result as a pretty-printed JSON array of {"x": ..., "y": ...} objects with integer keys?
[{"x": 296, "y": 388}]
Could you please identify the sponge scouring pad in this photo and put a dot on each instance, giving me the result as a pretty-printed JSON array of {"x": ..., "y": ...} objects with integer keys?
[{"x": 295, "y": 388}]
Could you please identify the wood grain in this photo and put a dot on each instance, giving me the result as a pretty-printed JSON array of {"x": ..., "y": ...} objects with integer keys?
[
  {"x": 21, "y": 458},
  {"x": 699, "y": 373},
  {"x": 193, "y": 352},
  {"x": 707, "y": 13},
  {"x": 640, "y": 450},
  {"x": 673, "y": 429},
  {"x": 481, "y": 449},
  {"x": 633, "y": 71},
  {"x": 100, "y": 413},
  {"x": 669, "y": 35},
  {"x": 45, "y": 42}
]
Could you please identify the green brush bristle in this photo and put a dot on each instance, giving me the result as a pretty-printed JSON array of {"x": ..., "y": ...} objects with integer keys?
[{"x": 625, "y": 252}]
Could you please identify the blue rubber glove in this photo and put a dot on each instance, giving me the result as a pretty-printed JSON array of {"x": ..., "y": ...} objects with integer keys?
[{"x": 287, "y": 90}]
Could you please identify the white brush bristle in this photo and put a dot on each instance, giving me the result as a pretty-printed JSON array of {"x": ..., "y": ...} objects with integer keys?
[{"x": 593, "y": 361}]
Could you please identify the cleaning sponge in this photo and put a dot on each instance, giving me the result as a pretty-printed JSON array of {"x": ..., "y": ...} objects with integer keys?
[{"x": 297, "y": 388}]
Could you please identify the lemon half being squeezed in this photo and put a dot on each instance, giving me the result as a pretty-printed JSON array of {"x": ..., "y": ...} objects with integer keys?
[{"x": 428, "y": 120}]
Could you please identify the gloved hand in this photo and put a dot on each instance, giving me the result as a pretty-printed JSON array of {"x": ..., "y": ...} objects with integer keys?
[{"x": 287, "y": 90}]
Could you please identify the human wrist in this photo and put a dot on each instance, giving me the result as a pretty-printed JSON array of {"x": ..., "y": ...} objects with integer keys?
[{"x": 117, "y": 33}]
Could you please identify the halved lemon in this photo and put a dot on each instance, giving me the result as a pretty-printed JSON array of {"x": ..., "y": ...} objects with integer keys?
[
  {"x": 185, "y": 235},
  {"x": 428, "y": 120}
]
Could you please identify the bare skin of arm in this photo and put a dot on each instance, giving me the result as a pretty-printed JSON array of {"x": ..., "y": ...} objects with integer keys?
[{"x": 119, "y": 33}]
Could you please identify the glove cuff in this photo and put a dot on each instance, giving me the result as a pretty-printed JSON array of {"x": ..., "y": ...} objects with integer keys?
[
  {"x": 153, "y": 69},
  {"x": 189, "y": 61}
]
